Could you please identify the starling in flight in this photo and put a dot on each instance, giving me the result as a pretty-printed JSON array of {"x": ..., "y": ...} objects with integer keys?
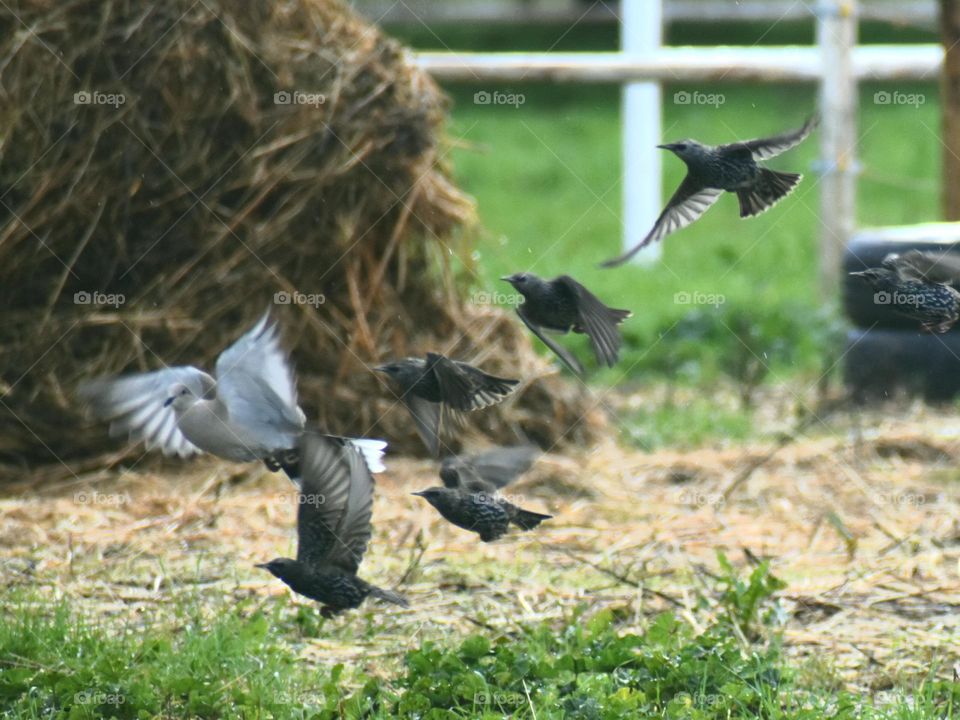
[
  {"x": 436, "y": 388},
  {"x": 561, "y": 305},
  {"x": 731, "y": 168},
  {"x": 470, "y": 502},
  {"x": 934, "y": 305},
  {"x": 333, "y": 527}
]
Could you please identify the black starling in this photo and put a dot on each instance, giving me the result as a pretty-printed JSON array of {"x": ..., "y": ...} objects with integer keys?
[
  {"x": 937, "y": 267},
  {"x": 473, "y": 505},
  {"x": 498, "y": 466},
  {"x": 934, "y": 305},
  {"x": 333, "y": 527},
  {"x": 711, "y": 170},
  {"x": 436, "y": 388},
  {"x": 562, "y": 305}
]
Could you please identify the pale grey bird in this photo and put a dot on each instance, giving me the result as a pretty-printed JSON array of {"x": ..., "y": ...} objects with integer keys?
[
  {"x": 713, "y": 170},
  {"x": 334, "y": 513},
  {"x": 248, "y": 413}
]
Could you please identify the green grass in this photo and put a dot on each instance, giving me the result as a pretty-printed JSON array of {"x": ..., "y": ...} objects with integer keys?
[{"x": 240, "y": 663}]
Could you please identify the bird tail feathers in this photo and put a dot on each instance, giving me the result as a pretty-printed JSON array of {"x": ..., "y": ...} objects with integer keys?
[
  {"x": 388, "y": 596},
  {"x": 528, "y": 520},
  {"x": 771, "y": 186}
]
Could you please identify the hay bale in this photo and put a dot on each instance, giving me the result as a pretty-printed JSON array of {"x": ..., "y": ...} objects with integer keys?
[{"x": 167, "y": 168}]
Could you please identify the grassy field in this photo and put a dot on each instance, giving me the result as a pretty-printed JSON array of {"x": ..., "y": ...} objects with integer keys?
[{"x": 101, "y": 620}]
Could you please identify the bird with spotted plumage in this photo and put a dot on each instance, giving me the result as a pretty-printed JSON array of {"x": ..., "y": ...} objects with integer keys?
[
  {"x": 436, "y": 389},
  {"x": 563, "y": 305},
  {"x": 334, "y": 511},
  {"x": 713, "y": 170},
  {"x": 934, "y": 305},
  {"x": 471, "y": 502}
]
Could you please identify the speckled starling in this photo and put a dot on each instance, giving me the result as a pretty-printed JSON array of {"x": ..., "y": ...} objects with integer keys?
[
  {"x": 561, "y": 305},
  {"x": 929, "y": 266},
  {"x": 473, "y": 506},
  {"x": 498, "y": 466},
  {"x": 934, "y": 305},
  {"x": 333, "y": 527},
  {"x": 711, "y": 170},
  {"x": 436, "y": 389}
]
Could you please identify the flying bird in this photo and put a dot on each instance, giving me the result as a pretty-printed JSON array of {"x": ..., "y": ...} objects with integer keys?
[
  {"x": 333, "y": 527},
  {"x": 436, "y": 388},
  {"x": 469, "y": 501},
  {"x": 498, "y": 466},
  {"x": 712, "y": 170},
  {"x": 561, "y": 305},
  {"x": 248, "y": 413},
  {"x": 930, "y": 266},
  {"x": 934, "y": 305}
]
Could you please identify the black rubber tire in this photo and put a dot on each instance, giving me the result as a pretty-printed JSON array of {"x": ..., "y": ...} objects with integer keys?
[
  {"x": 882, "y": 362},
  {"x": 868, "y": 248}
]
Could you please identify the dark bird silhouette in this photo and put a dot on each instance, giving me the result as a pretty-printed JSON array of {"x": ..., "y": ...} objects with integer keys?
[
  {"x": 934, "y": 305},
  {"x": 333, "y": 527},
  {"x": 498, "y": 466},
  {"x": 561, "y": 305},
  {"x": 436, "y": 388},
  {"x": 930, "y": 266},
  {"x": 473, "y": 505},
  {"x": 712, "y": 170}
]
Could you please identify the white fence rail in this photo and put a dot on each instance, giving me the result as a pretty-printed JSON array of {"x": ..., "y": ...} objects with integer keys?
[{"x": 835, "y": 62}]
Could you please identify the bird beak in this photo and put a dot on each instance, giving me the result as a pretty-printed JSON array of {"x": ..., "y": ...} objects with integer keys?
[
  {"x": 862, "y": 273},
  {"x": 420, "y": 493},
  {"x": 265, "y": 566},
  {"x": 168, "y": 402},
  {"x": 380, "y": 368},
  {"x": 667, "y": 146}
]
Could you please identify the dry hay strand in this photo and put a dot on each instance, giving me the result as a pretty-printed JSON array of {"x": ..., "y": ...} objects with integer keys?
[{"x": 184, "y": 189}]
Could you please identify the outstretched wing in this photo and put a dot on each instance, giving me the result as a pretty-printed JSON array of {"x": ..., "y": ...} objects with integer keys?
[
  {"x": 335, "y": 503},
  {"x": 135, "y": 405},
  {"x": 257, "y": 385},
  {"x": 766, "y": 148},
  {"x": 598, "y": 321},
  {"x": 561, "y": 352},
  {"x": 426, "y": 418},
  {"x": 466, "y": 388},
  {"x": 689, "y": 202},
  {"x": 500, "y": 466}
]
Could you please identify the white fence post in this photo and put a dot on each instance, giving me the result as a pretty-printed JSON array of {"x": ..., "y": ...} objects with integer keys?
[
  {"x": 640, "y": 34},
  {"x": 837, "y": 37}
]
